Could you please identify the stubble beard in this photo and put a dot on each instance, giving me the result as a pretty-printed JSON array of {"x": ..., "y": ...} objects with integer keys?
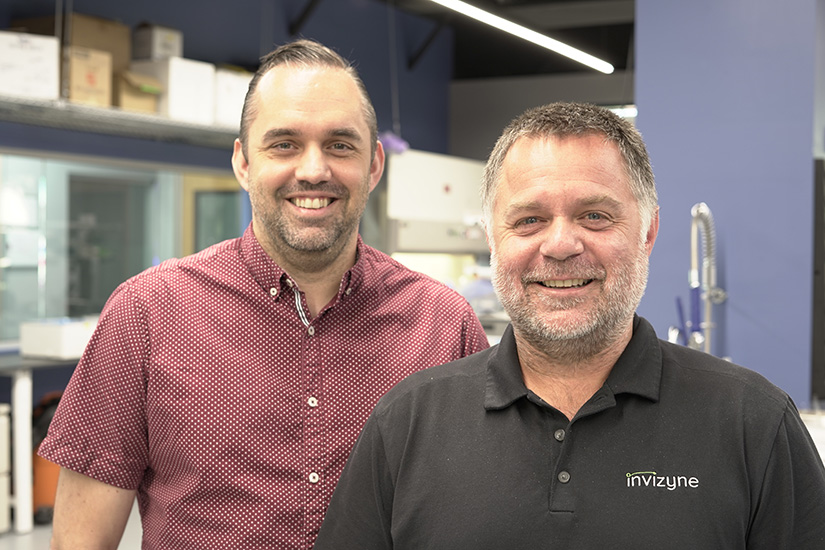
[
  {"x": 301, "y": 242},
  {"x": 577, "y": 336}
]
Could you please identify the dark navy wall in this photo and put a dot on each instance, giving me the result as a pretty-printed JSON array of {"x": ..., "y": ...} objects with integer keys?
[
  {"x": 239, "y": 32},
  {"x": 725, "y": 91}
]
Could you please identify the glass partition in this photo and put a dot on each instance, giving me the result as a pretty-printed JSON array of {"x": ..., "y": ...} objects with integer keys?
[{"x": 71, "y": 231}]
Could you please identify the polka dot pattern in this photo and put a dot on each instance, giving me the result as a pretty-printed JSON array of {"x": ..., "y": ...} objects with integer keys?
[{"x": 231, "y": 413}]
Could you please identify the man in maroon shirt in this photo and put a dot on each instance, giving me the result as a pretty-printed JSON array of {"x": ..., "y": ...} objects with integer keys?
[{"x": 226, "y": 389}]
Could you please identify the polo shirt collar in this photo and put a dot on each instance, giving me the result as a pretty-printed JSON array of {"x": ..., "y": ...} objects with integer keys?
[
  {"x": 638, "y": 370},
  {"x": 270, "y": 275}
]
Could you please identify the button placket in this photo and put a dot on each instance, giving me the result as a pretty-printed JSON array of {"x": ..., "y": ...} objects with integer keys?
[{"x": 314, "y": 426}]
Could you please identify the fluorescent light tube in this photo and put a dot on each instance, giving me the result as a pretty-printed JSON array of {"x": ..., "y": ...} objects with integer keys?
[{"x": 527, "y": 34}]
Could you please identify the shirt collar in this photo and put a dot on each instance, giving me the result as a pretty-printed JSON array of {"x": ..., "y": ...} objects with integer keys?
[
  {"x": 638, "y": 370},
  {"x": 274, "y": 279}
]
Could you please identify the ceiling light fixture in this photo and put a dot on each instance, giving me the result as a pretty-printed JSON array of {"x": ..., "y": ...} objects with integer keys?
[{"x": 527, "y": 34}]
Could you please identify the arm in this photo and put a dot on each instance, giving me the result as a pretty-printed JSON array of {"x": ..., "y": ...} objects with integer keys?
[
  {"x": 89, "y": 513},
  {"x": 791, "y": 501}
]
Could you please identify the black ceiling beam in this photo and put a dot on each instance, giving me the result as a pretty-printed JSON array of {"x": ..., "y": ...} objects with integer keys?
[
  {"x": 416, "y": 56},
  {"x": 298, "y": 24}
]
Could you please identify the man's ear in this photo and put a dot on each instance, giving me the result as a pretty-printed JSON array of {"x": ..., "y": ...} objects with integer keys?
[
  {"x": 240, "y": 166},
  {"x": 377, "y": 165},
  {"x": 652, "y": 232}
]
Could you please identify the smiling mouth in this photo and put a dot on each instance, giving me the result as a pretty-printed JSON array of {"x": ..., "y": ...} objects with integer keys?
[
  {"x": 566, "y": 283},
  {"x": 311, "y": 204}
]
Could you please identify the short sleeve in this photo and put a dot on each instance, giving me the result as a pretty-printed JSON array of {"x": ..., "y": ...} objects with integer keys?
[
  {"x": 99, "y": 428},
  {"x": 790, "y": 505}
]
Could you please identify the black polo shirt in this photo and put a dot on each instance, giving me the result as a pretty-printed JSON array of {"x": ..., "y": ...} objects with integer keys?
[{"x": 678, "y": 450}]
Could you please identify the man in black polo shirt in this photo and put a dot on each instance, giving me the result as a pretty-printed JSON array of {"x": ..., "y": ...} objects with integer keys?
[{"x": 581, "y": 429}]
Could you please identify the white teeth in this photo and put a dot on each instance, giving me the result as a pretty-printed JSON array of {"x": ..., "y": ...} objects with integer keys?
[
  {"x": 312, "y": 204},
  {"x": 566, "y": 283}
]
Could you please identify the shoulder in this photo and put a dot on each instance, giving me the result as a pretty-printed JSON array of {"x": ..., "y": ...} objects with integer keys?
[
  {"x": 396, "y": 275},
  {"x": 438, "y": 387},
  {"x": 214, "y": 262},
  {"x": 721, "y": 381}
]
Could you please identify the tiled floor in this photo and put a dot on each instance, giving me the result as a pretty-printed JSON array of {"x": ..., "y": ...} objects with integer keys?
[{"x": 39, "y": 538}]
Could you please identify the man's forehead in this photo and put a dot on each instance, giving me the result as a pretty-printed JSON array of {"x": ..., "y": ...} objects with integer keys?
[
  {"x": 288, "y": 92},
  {"x": 287, "y": 78}
]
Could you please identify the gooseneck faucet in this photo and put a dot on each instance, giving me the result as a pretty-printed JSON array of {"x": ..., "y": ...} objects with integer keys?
[{"x": 704, "y": 292}]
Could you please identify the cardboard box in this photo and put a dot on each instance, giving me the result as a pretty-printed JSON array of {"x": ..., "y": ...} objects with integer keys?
[
  {"x": 230, "y": 91},
  {"x": 89, "y": 76},
  {"x": 29, "y": 65},
  {"x": 63, "y": 338},
  {"x": 136, "y": 92},
  {"x": 88, "y": 31},
  {"x": 156, "y": 42},
  {"x": 188, "y": 88}
]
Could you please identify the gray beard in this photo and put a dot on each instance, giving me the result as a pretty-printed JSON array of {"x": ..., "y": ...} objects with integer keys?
[{"x": 572, "y": 343}]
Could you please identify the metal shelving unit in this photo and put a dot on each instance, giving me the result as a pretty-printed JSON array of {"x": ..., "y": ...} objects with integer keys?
[{"x": 113, "y": 121}]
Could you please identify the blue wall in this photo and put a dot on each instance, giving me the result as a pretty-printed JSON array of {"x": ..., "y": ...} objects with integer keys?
[{"x": 725, "y": 91}]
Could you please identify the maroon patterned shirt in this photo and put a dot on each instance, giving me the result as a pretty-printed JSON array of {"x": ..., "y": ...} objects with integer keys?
[{"x": 208, "y": 388}]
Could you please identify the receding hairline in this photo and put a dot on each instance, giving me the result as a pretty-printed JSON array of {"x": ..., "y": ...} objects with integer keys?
[{"x": 365, "y": 105}]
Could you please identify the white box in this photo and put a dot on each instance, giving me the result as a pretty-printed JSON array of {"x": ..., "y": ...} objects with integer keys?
[
  {"x": 188, "y": 88},
  {"x": 63, "y": 338},
  {"x": 156, "y": 42},
  {"x": 230, "y": 92},
  {"x": 29, "y": 65}
]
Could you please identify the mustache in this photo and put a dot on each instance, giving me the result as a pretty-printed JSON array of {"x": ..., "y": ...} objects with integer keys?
[
  {"x": 574, "y": 268},
  {"x": 327, "y": 188}
]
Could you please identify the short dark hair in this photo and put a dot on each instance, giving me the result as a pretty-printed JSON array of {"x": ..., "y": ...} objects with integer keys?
[
  {"x": 306, "y": 53},
  {"x": 577, "y": 119}
]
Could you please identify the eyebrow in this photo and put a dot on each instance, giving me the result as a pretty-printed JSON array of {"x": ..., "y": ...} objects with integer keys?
[
  {"x": 592, "y": 200},
  {"x": 344, "y": 132}
]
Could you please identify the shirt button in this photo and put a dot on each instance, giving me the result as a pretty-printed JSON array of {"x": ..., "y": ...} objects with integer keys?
[
  {"x": 312, "y": 402},
  {"x": 559, "y": 435},
  {"x": 273, "y": 291},
  {"x": 564, "y": 477},
  {"x": 348, "y": 292},
  {"x": 314, "y": 478},
  {"x": 311, "y": 331},
  {"x": 289, "y": 283}
]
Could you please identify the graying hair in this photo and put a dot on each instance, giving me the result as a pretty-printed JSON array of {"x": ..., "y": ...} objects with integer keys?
[
  {"x": 576, "y": 119},
  {"x": 305, "y": 53}
]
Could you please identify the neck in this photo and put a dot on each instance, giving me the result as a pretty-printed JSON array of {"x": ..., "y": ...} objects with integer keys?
[
  {"x": 566, "y": 381},
  {"x": 318, "y": 274}
]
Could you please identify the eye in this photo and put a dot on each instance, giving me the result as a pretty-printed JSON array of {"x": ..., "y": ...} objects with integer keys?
[
  {"x": 529, "y": 221},
  {"x": 596, "y": 220},
  {"x": 341, "y": 148},
  {"x": 282, "y": 146}
]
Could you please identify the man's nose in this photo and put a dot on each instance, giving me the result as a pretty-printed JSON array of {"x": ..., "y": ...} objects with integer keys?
[
  {"x": 312, "y": 166},
  {"x": 562, "y": 240}
]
